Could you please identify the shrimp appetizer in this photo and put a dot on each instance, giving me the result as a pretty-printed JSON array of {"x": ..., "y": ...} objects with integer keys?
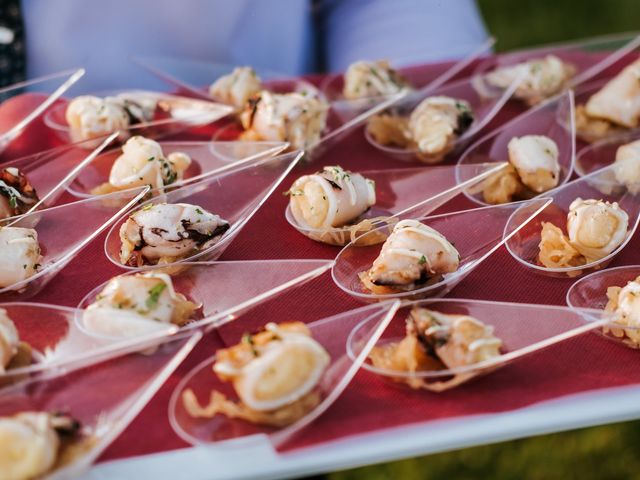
[
  {"x": 437, "y": 341},
  {"x": 168, "y": 232},
  {"x": 141, "y": 163},
  {"x": 237, "y": 87},
  {"x": 17, "y": 195},
  {"x": 91, "y": 117},
  {"x": 371, "y": 79},
  {"x": 625, "y": 303},
  {"x": 19, "y": 254},
  {"x": 13, "y": 352},
  {"x": 431, "y": 129},
  {"x": 131, "y": 305},
  {"x": 533, "y": 169},
  {"x": 33, "y": 444},
  {"x": 332, "y": 197},
  {"x": 613, "y": 109},
  {"x": 275, "y": 374},
  {"x": 542, "y": 78},
  {"x": 627, "y": 166},
  {"x": 413, "y": 256},
  {"x": 294, "y": 117},
  {"x": 595, "y": 229}
]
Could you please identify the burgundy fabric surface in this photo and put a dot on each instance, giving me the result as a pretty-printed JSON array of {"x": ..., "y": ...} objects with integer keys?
[{"x": 582, "y": 364}]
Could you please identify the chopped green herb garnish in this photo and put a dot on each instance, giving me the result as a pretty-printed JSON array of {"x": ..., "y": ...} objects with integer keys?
[
  {"x": 422, "y": 260},
  {"x": 154, "y": 295}
]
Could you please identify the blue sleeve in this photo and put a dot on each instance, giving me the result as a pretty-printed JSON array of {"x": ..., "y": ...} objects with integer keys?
[{"x": 404, "y": 31}]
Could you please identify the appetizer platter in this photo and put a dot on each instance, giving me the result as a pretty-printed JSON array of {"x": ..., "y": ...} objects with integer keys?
[{"x": 204, "y": 254}]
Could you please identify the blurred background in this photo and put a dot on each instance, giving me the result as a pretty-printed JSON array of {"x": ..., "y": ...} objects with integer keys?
[{"x": 609, "y": 451}]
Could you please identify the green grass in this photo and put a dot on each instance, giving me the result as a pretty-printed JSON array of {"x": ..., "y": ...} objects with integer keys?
[{"x": 610, "y": 451}]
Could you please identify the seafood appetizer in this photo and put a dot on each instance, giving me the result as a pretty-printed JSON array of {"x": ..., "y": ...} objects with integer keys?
[
  {"x": 626, "y": 167},
  {"x": 17, "y": 195},
  {"x": 19, "y": 254},
  {"x": 533, "y": 169},
  {"x": 33, "y": 444},
  {"x": 332, "y": 197},
  {"x": 91, "y": 117},
  {"x": 595, "y": 229},
  {"x": 613, "y": 109},
  {"x": 141, "y": 163},
  {"x": 237, "y": 87},
  {"x": 294, "y": 117},
  {"x": 413, "y": 256},
  {"x": 168, "y": 232},
  {"x": 371, "y": 79},
  {"x": 131, "y": 305},
  {"x": 275, "y": 374},
  {"x": 431, "y": 129},
  {"x": 13, "y": 352},
  {"x": 437, "y": 341},
  {"x": 625, "y": 303},
  {"x": 542, "y": 78}
]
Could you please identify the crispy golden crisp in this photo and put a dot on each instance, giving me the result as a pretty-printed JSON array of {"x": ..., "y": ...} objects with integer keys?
[
  {"x": 555, "y": 249},
  {"x": 390, "y": 130}
]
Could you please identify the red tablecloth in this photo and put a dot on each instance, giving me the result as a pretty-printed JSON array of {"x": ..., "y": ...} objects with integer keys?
[{"x": 582, "y": 364}]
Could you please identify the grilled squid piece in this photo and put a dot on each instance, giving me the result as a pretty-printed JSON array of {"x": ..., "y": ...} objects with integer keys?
[
  {"x": 436, "y": 123},
  {"x": 333, "y": 197},
  {"x": 619, "y": 100},
  {"x": 17, "y": 196},
  {"x": 131, "y": 305},
  {"x": 291, "y": 117},
  {"x": 413, "y": 255},
  {"x": 141, "y": 163},
  {"x": 595, "y": 229},
  {"x": 533, "y": 168},
  {"x": 626, "y": 168},
  {"x": 275, "y": 374},
  {"x": 625, "y": 303},
  {"x": 32, "y": 443},
  {"x": 91, "y": 117},
  {"x": 237, "y": 87},
  {"x": 370, "y": 79},
  {"x": 541, "y": 78},
  {"x": 437, "y": 341},
  {"x": 535, "y": 157},
  {"x": 19, "y": 254},
  {"x": 166, "y": 232}
]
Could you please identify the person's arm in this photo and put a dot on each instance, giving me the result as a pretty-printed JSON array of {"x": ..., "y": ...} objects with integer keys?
[{"x": 403, "y": 31}]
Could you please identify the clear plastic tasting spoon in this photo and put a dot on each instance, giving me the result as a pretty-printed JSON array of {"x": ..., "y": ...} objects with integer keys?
[
  {"x": 484, "y": 109},
  {"x": 476, "y": 233},
  {"x": 173, "y": 114},
  {"x": 235, "y": 195},
  {"x": 591, "y": 292},
  {"x": 401, "y": 193},
  {"x": 207, "y": 159},
  {"x": 62, "y": 236},
  {"x": 332, "y": 86},
  {"x": 523, "y": 329},
  {"x": 133, "y": 376},
  {"x": 589, "y": 56},
  {"x": 548, "y": 119},
  {"x": 332, "y": 332},
  {"x": 599, "y": 185}
]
